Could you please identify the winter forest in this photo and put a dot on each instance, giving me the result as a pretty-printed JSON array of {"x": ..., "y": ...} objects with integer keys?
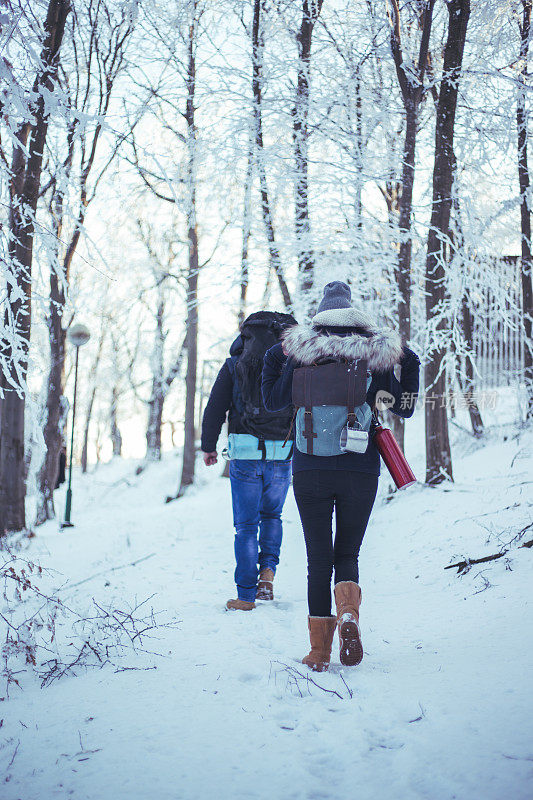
[{"x": 167, "y": 168}]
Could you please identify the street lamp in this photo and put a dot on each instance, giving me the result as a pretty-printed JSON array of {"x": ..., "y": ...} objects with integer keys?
[{"x": 78, "y": 335}]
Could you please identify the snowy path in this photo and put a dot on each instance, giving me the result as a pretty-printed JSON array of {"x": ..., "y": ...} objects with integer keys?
[{"x": 441, "y": 704}]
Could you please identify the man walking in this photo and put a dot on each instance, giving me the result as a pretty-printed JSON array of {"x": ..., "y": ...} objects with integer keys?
[{"x": 259, "y": 453}]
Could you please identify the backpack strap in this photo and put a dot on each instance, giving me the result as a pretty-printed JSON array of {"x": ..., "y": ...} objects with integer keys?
[
  {"x": 290, "y": 431},
  {"x": 352, "y": 419},
  {"x": 262, "y": 447},
  {"x": 308, "y": 432}
]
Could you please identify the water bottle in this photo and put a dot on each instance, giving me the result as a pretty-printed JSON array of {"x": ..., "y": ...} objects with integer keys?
[{"x": 395, "y": 461}]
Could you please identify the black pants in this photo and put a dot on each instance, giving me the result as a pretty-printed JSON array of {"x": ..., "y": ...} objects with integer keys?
[{"x": 317, "y": 493}]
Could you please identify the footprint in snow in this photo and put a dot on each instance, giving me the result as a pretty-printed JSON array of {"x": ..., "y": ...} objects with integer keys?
[
  {"x": 249, "y": 677},
  {"x": 279, "y": 605}
]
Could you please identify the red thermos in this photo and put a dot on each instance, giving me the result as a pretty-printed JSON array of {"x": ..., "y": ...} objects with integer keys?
[{"x": 389, "y": 450}]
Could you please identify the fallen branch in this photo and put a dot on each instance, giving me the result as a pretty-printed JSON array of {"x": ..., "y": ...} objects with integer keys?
[
  {"x": 111, "y": 569},
  {"x": 138, "y": 669},
  {"x": 464, "y": 566},
  {"x": 421, "y": 715},
  {"x": 14, "y": 755}
]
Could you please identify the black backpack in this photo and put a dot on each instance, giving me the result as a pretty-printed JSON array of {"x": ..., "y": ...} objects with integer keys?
[{"x": 260, "y": 332}]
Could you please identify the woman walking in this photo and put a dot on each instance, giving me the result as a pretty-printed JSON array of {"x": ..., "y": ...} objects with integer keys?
[{"x": 327, "y": 477}]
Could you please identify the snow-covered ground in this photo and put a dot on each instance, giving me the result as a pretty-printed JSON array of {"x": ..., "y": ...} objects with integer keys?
[{"x": 440, "y": 708}]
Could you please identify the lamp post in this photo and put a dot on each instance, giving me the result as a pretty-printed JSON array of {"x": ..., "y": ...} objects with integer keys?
[{"x": 78, "y": 335}]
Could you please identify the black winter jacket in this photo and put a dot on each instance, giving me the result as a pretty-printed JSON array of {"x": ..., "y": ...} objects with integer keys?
[
  {"x": 382, "y": 349},
  {"x": 221, "y": 403}
]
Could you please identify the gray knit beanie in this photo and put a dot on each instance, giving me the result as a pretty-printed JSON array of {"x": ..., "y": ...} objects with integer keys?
[
  {"x": 336, "y": 309},
  {"x": 336, "y": 295}
]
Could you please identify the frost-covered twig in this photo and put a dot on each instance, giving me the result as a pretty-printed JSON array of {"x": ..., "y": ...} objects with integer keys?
[
  {"x": 55, "y": 640},
  {"x": 294, "y": 675},
  {"x": 350, "y": 692}
]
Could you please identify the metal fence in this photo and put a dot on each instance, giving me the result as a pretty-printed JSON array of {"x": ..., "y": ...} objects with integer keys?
[{"x": 498, "y": 333}]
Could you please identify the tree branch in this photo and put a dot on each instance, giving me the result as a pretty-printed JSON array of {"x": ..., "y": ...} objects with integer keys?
[
  {"x": 396, "y": 47},
  {"x": 423, "y": 56}
]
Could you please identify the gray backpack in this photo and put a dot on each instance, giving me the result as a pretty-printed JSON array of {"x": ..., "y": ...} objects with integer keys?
[{"x": 330, "y": 399}]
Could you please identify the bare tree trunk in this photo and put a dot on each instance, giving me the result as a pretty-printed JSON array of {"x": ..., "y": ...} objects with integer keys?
[
  {"x": 53, "y": 439},
  {"x": 93, "y": 375},
  {"x": 116, "y": 436},
  {"x": 310, "y": 12},
  {"x": 59, "y": 276},
  {"x": 359, "y": 145},
  {"x": 257, "y": 57},
  {"x": 153, "y": 430},
  {"x": 12, "y": 480},
  {"x": 12, "y": 466},
  {"x": 438, "y": 453},
  {"x": 411, "y": 81},
  {"x": 391, "y": 194},
  {"x": 403, "y": 274},
  {"x": 468, "y": 384},
  {"x": 246, "y": 230},
  {"x": 88, "y": 416},
  {"x": 156, "y": 407},
  {"x": 157, "y": 397},
  {"x": 59, "y": 280},
  {"x": 189, "y": 443},
  {"x": 525, "y": 211},
  {"x": 160, "y": 384}
]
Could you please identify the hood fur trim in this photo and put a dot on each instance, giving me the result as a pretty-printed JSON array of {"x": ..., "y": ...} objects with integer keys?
[{"x": 382, "y": 348}]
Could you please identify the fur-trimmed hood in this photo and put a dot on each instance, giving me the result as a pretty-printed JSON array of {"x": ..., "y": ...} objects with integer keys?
[{"x": 381, "y": 347}]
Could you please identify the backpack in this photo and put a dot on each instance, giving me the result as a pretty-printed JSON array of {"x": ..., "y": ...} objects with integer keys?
[
  {"x": 329, "y": 398},
  {"x": 260, "y": 332}
]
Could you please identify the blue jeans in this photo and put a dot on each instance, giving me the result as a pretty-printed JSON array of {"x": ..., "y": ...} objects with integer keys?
[{"x": 258, "y": 491}]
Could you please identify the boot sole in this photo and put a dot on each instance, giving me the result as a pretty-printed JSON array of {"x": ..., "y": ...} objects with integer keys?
[
  {"x": 265, "y": 592},
  {"x": 351, "y": 646}
]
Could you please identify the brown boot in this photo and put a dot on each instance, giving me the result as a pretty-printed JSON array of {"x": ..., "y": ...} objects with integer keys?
[
  {"x": 321, "y": 630},
  {"x": 265, "y": 587},
  {"x": 348, "y": 600},
  {"x": 240, "y": 605}
]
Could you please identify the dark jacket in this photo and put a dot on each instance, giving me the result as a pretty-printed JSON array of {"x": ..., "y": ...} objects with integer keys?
[
  {"x": 221, "y": 401},
  {"x": 381, "y": 348}
]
